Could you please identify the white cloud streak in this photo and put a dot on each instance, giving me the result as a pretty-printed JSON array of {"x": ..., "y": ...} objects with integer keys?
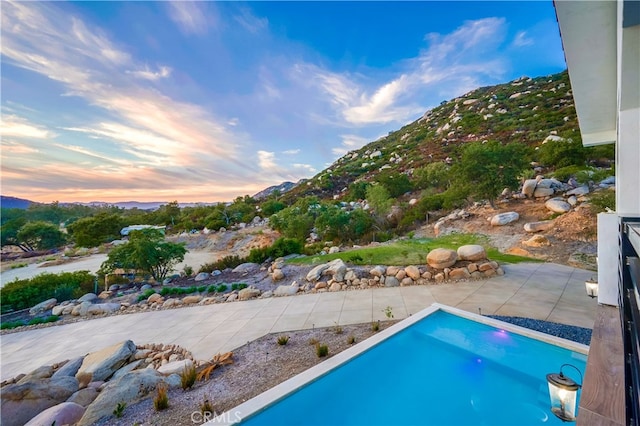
[
  {"x": 190, "y": 17},
  {"x": 250, "y": 22},
  {"x": 151, "y": 126},
  {"x": 453, "y": 60},
  {"x": 19, "y": 127},
  {"x": 521, "y": 39}
]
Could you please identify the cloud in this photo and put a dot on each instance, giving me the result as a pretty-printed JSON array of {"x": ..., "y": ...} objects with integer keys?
[
  {"x": 268, "y": 165},
  {"x": 147, "y": 74},
  {"x": 291, "y": 151},
  {"x": 16, "y": 148},
  {"x": 349, "y": 143},
  {"x": 450, "y": 62},
  {"x": 190, "y": 17},
  {"x": 521, "y": 40},
  {"x": 12, "y": 125},
  {"x": 305, "y": 167},
  {"x": 139, "y": 122},
  {"x": 250, "y": 22}
]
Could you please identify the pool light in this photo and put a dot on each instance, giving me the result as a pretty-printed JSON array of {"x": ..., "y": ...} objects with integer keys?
[
  {"x": 592, "y": 288},
  {"x": 563, "y": 392}
]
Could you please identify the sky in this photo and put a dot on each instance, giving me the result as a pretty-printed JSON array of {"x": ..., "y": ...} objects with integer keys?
[{"x": 207, "y": 101}]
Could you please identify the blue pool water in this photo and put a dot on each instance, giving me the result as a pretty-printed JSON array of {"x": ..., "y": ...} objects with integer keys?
[{"x": 442, "y": 370}]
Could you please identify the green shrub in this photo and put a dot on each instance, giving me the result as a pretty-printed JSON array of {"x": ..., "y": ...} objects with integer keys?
[
  {"x": 564, "y": 173},
  {"x": 8, "y": 325},
  {"x": 222, "y": 288},
  {"x": 161, "y": 400},
  {"x": 222, "y": 264},
  {"x": 40, "y": 320},
  {"x": 602, "y": 200},
  {"x": 145, "y": 295},
  {"x": 238, "y": 286},
  {"x": 283, "y": 340},
  {"x": 188, "y": 377},
  {"x": 119, "y": 410},
  {"x": 322, "y": 350},
  {"x": 188, "y": 270},
  {"x": 280, "y": 248},
  {"x": 562, "y": 153},
  {"x": 22, "y": 294}
]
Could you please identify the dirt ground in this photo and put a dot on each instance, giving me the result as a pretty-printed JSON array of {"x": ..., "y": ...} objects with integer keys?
[{"x": 572, "y": 239}]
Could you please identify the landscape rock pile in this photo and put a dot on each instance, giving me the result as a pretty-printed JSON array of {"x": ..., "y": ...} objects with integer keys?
[{"x": 84, "y": 390}]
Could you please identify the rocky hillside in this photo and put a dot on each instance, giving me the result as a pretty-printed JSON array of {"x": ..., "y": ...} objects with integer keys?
[{"x": 526, "y": 110}]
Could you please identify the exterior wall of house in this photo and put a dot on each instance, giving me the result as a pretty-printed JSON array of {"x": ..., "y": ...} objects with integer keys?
[{"x": 601, "y": 40}]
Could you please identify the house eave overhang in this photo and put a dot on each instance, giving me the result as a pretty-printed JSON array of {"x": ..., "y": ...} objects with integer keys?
[{"x": 588, "y": 30}]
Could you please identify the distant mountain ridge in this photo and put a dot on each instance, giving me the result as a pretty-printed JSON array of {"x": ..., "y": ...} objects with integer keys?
[
  {"x": 282, "y": 188},
  {"x": 14, "y": 202},
  {"x": 21, "y": 203}
]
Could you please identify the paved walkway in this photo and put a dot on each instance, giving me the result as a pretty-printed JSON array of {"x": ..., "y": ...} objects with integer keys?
[{"x": 536, "y": 290}]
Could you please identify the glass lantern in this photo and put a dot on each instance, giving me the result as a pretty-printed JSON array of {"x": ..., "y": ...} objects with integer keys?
[{"x": 563, "y": 392}]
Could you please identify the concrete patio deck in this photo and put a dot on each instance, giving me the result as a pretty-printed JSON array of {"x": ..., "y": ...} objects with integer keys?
[{"x": 542, "y": 291}]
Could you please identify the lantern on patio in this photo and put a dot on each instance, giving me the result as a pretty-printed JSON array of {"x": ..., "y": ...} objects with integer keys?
[
  {"x": 563, "y": 392},
  {"x": 592, "y": 288}
]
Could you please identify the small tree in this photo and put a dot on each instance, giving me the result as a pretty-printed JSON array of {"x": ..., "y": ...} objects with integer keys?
[
  {"x": 486, "y": 169},
  {"x": 93, "y": 231},
  {"x": 40, "y": 236},
  {"x": 146, "y": 251}
]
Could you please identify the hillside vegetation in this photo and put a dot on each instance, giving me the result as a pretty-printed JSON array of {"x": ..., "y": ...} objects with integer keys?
[{"x": 465, "y": 151}]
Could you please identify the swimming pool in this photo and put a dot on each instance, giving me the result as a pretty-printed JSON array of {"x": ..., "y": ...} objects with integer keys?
[{"x": 440, "y": 367}]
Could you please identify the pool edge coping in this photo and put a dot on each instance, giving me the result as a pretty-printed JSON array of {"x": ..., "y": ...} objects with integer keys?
[{"x": 271, "y": 396}]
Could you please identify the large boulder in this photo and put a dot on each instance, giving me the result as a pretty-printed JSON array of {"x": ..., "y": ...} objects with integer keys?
[
  {"x": 504, "y": 218},
  {"x": 66, "y": 413},
  {"x": 89, "y": 297},
  {"x": 529, "y": 187},
  {"x": 314, "y": 274},
  {"x": 43, "y": 306},
  {"x": 537, "y": 241},
  {"x": 538, "y": 226},
  {"x": 412, "y": 272},
  {"x": 69, "y": 369},
  {"x": 441, "y": 258},
  {"x": 459, "y": 274},
  {"x": 542, "y": 192},
  {"x": 391, "y": 281},
  {"x": 581, "y": 190},
  {"x": 287, "y": 290},
  {"x": 22, "y": 402},
  {"x": 103, "y": 363},
  {"x": 248, "y": 293},
  {"x": 103, "y": 308},
  {"x": 245, "y": 268},
  {"x": 277, "y": 275},
  {"x": 557, "y": 205},
  {"x": 471, "y": 252},
  {"x": 377, "y": 271},
  {"x": 175, "y": 367},
  {"x": 81, "y": 309},
  {"x": 84, "y": 396},
  {"x": 336, "y": 269},
  {"x": 129, "y": 389},
  {"x": 191, "y": 300},
  {"x": 202, "y": 276}
]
